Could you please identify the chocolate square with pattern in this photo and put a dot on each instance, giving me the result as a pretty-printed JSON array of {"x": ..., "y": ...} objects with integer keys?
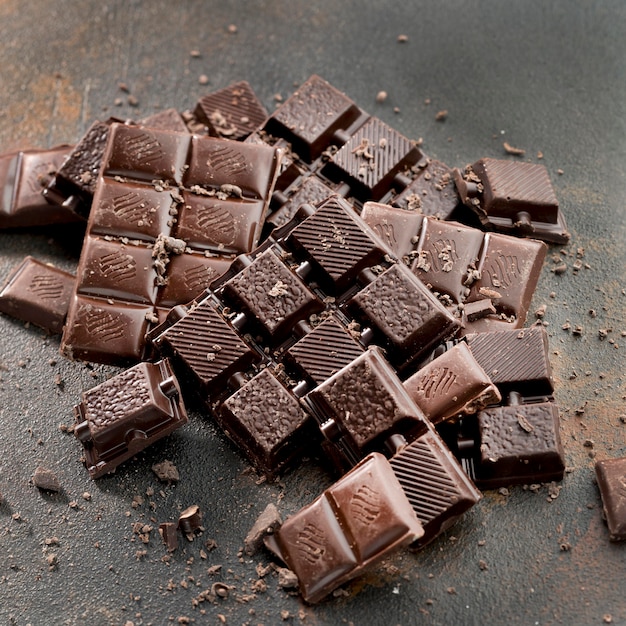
[
  {"x": 111, "y": 269},
  {"x": 312, "y": 118},
  {"x": 405, "y": 316},
  {"x": 272, "y": 297},
  {"x": 323, "y": 351},
  {"x": 338, "y": 243},
  {"x": 372, "y": 158},
  {"x": 266, "y": 420}
]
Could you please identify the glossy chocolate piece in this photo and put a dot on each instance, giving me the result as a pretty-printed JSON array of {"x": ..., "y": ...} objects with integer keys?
[
  {"x": 362, "y": 405},
  {"x": 23, "y": 177},
  {"x": 153, "y": 242},
  {"x": 266, "y": 420},
  {"x": 513, "y": 197},
  {"x": 372, "y": 158},
  {"x": 509, "y": 271},
  {"x": 515, "y": 360},
  {"x": 407, "y": 319},
  {"x": 231, "y": 113},
  {"x": 75, "y": 181},
  {"x": 517, "y": 444},
  {"x": 432, "y": 193},
  {"x": 355, "y": 523},
  {"x": 434, "y": 483},
  {"x": 611, "y": 477},
  {"x": 450, "y": 385},
  {"x": 338, "y": 244},
  {"x": 313, "y": 118},
  {"x": 125, "y": 414},
  {"x": 37, "y": 293},
  {"x": 168, "y": 119}
]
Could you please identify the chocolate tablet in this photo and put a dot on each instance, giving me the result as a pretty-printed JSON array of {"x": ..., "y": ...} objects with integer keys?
[
  {"x": 434, "y": 483},
  {"x": 611, "y": 476},
  {"x": 513, "y": 197},
  {"x": 125, "y": 414},
  {"x": 354, "y": 524},
  {"x": 450, "y": 385},
  {"x": 37, "y": 293},
  {"x": 23, "y": 178},
  {"x": 167, "y": 204}
]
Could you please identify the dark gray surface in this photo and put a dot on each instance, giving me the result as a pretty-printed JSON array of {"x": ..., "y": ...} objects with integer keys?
[{"x": 545, "y": 76}]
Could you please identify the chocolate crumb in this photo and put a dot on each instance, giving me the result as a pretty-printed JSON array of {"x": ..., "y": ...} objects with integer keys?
[
  {"x": 403, "y": 38},
  {"x": 166, "y": 472},
  {"x": 441, "y": 115},
  {"x": 46, "y": 480},
  {"x": 509, "y": 149},
  {"x": 286, "y": 578}
]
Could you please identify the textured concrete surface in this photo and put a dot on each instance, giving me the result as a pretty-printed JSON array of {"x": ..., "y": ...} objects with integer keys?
[{"x": 548, "y": 77}]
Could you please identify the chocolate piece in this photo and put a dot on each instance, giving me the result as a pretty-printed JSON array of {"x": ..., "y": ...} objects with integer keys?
[
  {"x": 324, "y": 350},
  {"x": 167, "y": 205},
  {"x": 338, "y": 244},
  {"x": 434, "y": 483},
  {"x": 513, "y": 197},
  {"x": 74, "y": 183},
  {"x": 509, "y": 272},
  {"x": 166, "y": 472},
  {"x": 37, "y": 293},
  {"x": 169, "y": 534},
  {"x": 23, "y": 177},
  {"x": 396, "y": 227},
  {"x": 372, "y": 158},
  {"x": 515, "y": 360},
  {"x": 362, "y": 405},
  {"x": 611, "y": 476},
  {"x": 474, "y": 311},
  {"x": 232, "y": 113},
  {"x": 125, "y": 414},
  {"x": 266, "y": 420},
  {"x": 452, "y": 384},
  {"x": 169, "y": 119},
  {"x": 406, "y": 318},
  {"x": 267, "y": 523},
  {"x": 190, "y": 520},
  {"x": 517, "y": 444},
  {"x": 432, "y": 193},
  {"x": 313, "y": 118},
  {"x": 46, "y": 480},
  {"x": 355, "y": 523}
]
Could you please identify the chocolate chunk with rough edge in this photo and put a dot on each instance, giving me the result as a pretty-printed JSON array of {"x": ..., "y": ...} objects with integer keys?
[{"x": 611, "y": 476}]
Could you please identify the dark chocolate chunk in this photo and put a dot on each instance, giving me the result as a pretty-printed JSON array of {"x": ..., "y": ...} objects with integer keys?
[
  {"x": 169, "y": 534},
  {"x": 23, "y": 177},
  {"x": 452, "y": 384},
  {"x": 611, "y": 476},
  {"x": 37, "y": 293},
  {"x": 46, "y": 480},
  {"x": 517, "y": 444},
  {"x": 232, "y": 113},
  {"x": 267, "y": 523},
  {"x": 125, "y": 414},
  {"x": 266, "y": 420},
  {"x": 515, "y": 360},
  {"x": 190, "y": 520},
  {"x": 405, "y": 316},
  {"x": 355, "y": 523},
  {"x": 434, "y": 483},
  {"x": 362, "y": 405},
  {"x": 169, "y": 119},
  {"x": 513, "y": 197}
]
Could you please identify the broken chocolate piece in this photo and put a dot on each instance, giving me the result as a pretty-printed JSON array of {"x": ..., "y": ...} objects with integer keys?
[
  {"x": 169, "y": 534},
  {"x": 611, "y": 476},
  {"x": 46, "y": 480},
  {"x": 190, "y": 520},
  {"x": 267, "y": 523}
]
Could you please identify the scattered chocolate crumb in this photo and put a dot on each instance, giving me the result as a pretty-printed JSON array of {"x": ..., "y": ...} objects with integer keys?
[
  {"x": 203, "y": 79},
  {"x": 232, "y": 29},
  {"x": 46, "y": 480},
  {"x": 578, "y": 330},
  {"x": 286, "y": 578},
  {"x": 561, "y": 268},
  {"x": 441, "y": 115},
  {"x": 540, "y": 155},
  {"x": 403, "y": 38},
  {"x": 268, "y": 522},
  {"x": 86, "y": 496},
  {"x": 132, "y": 101},
  {"x": 169, "y": 535},
  {"x": 381, "y": 96},
  {"x": 509, "y": 149},
  {"x": 194, "y": 53},
  {"x": 451, "y": 590},
  {"x": 541, "y": 311},
  {"x": 123, "y": 87},
  {"x": 166, "y": 472},
  {"x": 482, "y": 564},
  {"x": 190, "y": 520},
  {"x": 52, "y": 561}
]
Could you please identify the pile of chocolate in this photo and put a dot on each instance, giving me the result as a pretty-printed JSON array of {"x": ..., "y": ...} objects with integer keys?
[{"x": 324, "y": 287}]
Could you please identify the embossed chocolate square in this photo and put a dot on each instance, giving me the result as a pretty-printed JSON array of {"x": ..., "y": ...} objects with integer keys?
[
  {"x": 37, "y": 293},
  {"x": 611, "y": 476},
  {"x": 165, "y": 201},
  {"x": 355, "y": 523},
  {"x": 124, "y": 415}
]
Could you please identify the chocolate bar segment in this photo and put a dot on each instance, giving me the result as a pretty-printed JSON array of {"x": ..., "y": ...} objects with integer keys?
[
  {"x": 23, "y": 178},
  {"x": 434, "y": 483},
  {"x": 124, "y": 415},
  {"x": 513, "y": 197},
  {"x": 405, "y": 316},
  {"x": 168, "y": 119},
  {"x": 515, "y": 360},
  {"x": 361, "y": 519},
  {"x": 232, "y": 113},
  {"x": 37, "y": 293},
  {"x": 611, "y": 476},
  {"x": 266, "y": 420},
  {"x": 450, "y": 385}
]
